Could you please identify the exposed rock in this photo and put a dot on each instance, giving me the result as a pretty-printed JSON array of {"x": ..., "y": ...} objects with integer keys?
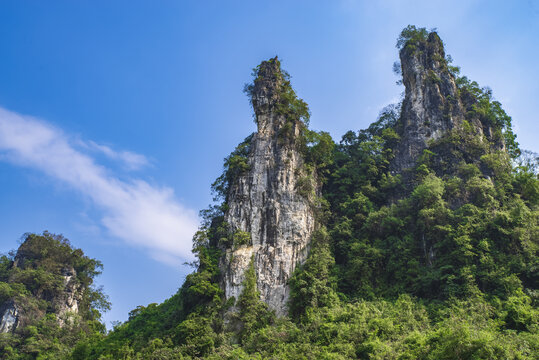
[
  {"x": 431, "y": 104},
  {"x": 68, "y": 300},
  {"x": 265, "y": 202},
  {"x": 10, "y": 316},
  {"x": 433, "y": 108},
  {"x": 19, "y": 313}
]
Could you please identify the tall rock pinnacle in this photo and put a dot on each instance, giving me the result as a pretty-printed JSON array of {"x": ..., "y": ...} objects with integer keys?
[
  {"x": 434, "y": 106},
  {"x": 431, "y": 105},
  {"x": 264, "y": 201}
]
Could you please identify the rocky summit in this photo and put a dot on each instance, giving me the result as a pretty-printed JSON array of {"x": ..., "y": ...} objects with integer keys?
[
  {"x": 433, "y": 105},
  {"x": 265, "y": 201},
  {"x": 415, "y": 238}
]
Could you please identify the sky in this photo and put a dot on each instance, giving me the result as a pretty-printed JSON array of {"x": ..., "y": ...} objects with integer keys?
[{"x": 115, "y": 116}]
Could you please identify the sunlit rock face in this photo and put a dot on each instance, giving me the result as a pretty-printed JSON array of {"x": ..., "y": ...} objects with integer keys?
[
  {"x": 265, "y": 201},
  {"x": 9, "y": 312}
]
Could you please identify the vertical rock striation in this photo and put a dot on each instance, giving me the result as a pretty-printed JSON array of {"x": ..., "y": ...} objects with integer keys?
[
  {"x": 433, "y": 105},
  {"x": 265, "y": 202}
]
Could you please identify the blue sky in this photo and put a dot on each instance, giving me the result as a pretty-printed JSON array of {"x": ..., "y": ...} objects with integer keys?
[{"x": 115, "y": 116}]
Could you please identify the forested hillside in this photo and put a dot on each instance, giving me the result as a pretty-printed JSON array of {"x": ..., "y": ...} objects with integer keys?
[
  {"x": 48, "y": 301},
  {"x": 423, "y": 236}
]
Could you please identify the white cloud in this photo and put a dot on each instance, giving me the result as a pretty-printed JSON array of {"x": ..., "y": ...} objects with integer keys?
[
  {"x": 130, "y": 160},
  {"x": 134, "y": 211}
]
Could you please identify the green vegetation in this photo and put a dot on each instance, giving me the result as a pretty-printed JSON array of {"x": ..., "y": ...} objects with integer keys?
[
  {"x": 438, "y": 263},
  {"x": 253, "y": 313},
  {"x": 293, "y": 109},
  {"x": 313, "y": 285},
  {"x": 410, "y": 36},
  {"x": 34, "y": 278},
  {"x": 240, "y": 238},
  {"x": 489, "y": 112},
  {"x": 443, "y": 266},
  {"x": 235, "y": 165}
]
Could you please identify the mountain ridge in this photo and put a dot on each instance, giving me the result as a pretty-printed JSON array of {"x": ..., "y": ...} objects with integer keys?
[{"x": 414, "y": 238}]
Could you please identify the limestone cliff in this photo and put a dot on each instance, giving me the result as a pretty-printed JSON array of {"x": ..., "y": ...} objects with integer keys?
[
  {"x": 9, "y": 312},
  {"x": 433, "y": 105},
  {"x": 265, "y": 201}
]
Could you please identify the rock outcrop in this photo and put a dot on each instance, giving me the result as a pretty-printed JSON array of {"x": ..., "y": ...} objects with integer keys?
[
  {"x": 265, "y": 201},
  {"x": 9, "y": 319},
  {"x": 433, "y": 105},
  {"x": 19, "y": 312},
  {"x": 68, "y": 300}
]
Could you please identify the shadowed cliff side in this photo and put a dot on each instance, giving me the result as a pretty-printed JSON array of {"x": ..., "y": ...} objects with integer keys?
[{"x": 435, "y": 107}]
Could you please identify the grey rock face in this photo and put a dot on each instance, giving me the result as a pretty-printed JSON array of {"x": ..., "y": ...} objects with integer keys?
[
  {"x": 10, "y": 316},
  {"x": 68, "y": 301},
  {"x": 432, "y": 104},
  {"x": 265, "y": 202}
]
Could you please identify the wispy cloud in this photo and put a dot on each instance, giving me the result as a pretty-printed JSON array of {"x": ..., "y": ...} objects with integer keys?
[
  {"x": 133, "y": 210},
  {"x": 131, "y": 160}
]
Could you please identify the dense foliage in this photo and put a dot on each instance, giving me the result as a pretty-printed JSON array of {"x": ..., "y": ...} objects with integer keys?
[
  {"x": 33, "y": 279},
  {"x": 440, "y": 265},
  {"x": 443, "y": 266}
]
